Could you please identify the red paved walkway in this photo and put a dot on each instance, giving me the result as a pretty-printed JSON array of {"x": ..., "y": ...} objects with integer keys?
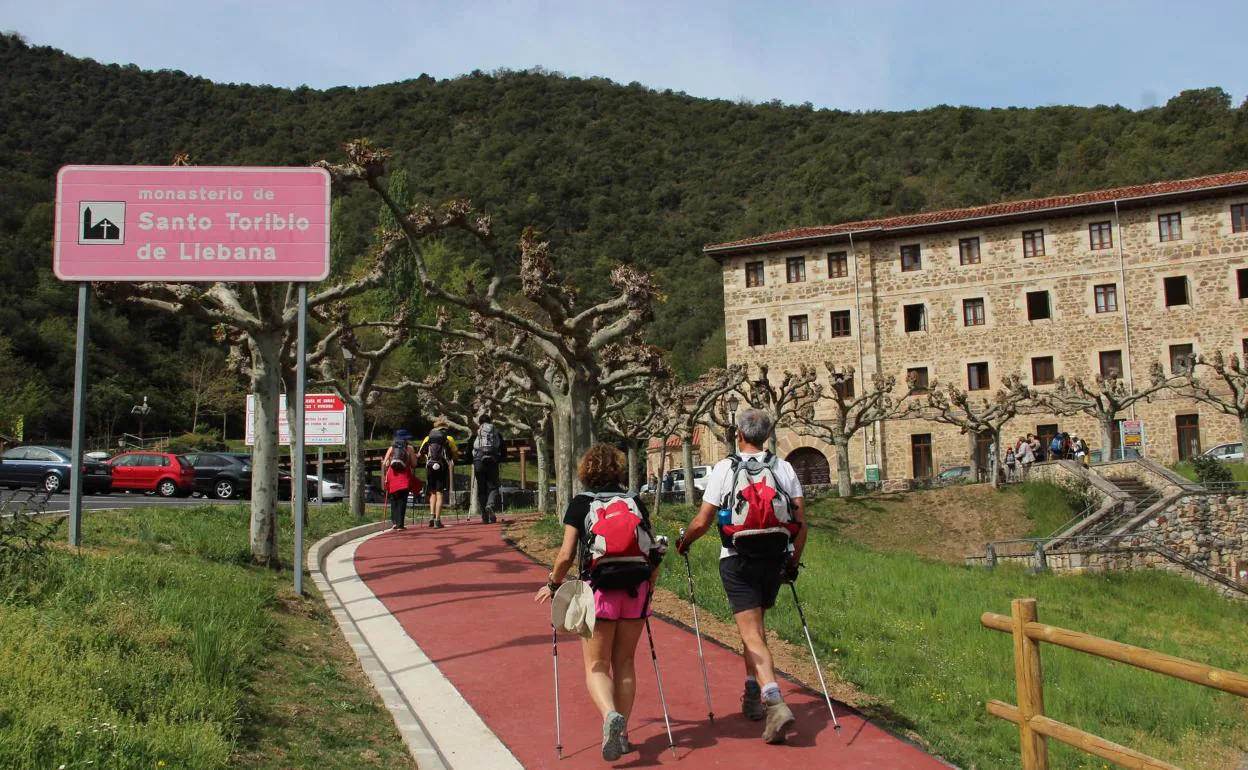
[{"x": 466, "y": 598}]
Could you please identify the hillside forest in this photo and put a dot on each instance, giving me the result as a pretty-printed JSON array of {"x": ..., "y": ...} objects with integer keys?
[{"x": 607, "y": 173}]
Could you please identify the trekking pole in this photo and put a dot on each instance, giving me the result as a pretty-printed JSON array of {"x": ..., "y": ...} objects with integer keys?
[
  {"x": 835, "y": 724},
  {"x": 662, "y": 700},
  {"x": 554, "y": 654},
  {"x": 697, "y": 631}
]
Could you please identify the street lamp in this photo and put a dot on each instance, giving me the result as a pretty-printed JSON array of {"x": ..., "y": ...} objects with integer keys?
[
  {"x": 732, "y": 403},
  {"x": 142, "y": 410}
]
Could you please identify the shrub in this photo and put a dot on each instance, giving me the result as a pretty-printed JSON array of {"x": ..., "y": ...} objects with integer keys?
[
  {"x": 1210, "y": 471},
  {"x": 196, "y": 442},
  {"x": 1079, "y": 494},
  {"x": 25, "y": 553}
]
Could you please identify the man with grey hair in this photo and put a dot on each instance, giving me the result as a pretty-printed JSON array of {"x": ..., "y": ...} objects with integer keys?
[{"x": 752, "y": 580}]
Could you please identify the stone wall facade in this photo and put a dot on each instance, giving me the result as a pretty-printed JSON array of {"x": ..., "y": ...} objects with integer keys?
[{"x": 1204, "y": 309}]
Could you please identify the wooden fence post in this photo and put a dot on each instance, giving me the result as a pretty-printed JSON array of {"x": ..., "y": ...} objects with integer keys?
[{"x": 1030, "y": 685}]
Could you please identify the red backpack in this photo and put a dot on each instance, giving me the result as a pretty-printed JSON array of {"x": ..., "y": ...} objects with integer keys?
[
  {"x": 760, "y": 523},
  {"x": 617, "y": 542}
]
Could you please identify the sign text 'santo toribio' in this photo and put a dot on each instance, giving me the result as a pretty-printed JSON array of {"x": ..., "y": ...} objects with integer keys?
[{"x": 191, "y": 223}]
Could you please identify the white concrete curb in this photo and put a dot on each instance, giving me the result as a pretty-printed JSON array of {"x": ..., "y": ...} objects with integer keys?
[{"x": 439, "y": 727}]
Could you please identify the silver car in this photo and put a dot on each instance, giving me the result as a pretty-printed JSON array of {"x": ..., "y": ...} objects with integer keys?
[{"x": 1233, "y": 450}]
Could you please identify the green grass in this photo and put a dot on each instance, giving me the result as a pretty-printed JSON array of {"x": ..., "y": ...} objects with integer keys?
[
  {"x": 1046, "y": 506},
  {"x": 160, "y": 647},
  {"x": 906, "y": 631},
  {"x": 1239, "y": 471}
]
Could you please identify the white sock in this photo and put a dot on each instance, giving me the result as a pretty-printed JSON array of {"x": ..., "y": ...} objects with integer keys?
[{"x": 771, "y": 692}]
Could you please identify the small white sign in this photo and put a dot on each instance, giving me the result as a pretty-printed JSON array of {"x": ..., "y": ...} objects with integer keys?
[{"x": 324, "y": 420}]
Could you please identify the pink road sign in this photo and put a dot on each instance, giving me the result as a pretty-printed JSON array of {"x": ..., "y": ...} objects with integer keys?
[{"x": 191, "y": 223}]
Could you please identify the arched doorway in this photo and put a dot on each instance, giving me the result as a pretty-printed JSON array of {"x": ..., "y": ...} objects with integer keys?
[{"x": 811, "y": 466}]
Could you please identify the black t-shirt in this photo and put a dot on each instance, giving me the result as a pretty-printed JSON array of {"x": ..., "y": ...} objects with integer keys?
[{"x": 578, "y": 509}]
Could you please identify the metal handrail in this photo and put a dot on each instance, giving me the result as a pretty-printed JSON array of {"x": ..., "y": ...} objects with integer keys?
[{"x": 1078, "y": 517}]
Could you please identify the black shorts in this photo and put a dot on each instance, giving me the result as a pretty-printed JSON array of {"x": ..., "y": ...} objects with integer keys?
[
  {"x": 439, "y": 480},
  {"x": 750, "y": 583}
]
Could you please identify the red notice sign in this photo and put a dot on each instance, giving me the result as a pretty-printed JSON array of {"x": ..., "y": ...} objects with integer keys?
[{"x": 191, "y": 223}]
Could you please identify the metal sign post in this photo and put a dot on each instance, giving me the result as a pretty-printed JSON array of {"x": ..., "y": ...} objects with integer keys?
[
  {"x": 80, "y": 414},
  {"x": 320, "y": 476},
  {"x": 298, "y": 471}
]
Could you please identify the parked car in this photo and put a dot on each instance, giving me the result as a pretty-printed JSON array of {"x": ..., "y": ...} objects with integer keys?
[
  {"x": 329, "y": 491},
  {"x": 166, "y": 474},
  {"x": 283, "y": 478},
  {"x": 700, "y": 473},
  {"x": 958, "y": 474},
  {"x": 48, "y": 468},
  {"x": 1233, "y": 450}
]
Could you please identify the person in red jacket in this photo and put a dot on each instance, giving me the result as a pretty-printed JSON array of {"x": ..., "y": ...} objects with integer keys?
[{"x": 398, "y": 477}]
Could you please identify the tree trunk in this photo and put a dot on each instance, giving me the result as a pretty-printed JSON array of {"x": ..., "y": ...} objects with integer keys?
[
  {"x": 634, "y": 473},
  {"x": 474, "y": 505},
  {"x": 1107, "y": 437},
  {"x": 573, "y": 422},
  {"x": 658, "y": 492},
  {"x": 1243, "y": 437},
  {"x": 844, "y": 483},
  {"x": 265, "y": 377},
  {"x": 195, "y": 414},
  {"x": 994, "y": 458},
  {"x": 686, "y": 454},
  {"x": 542, "y": 449},
  {"x": 357, "y": 472}
]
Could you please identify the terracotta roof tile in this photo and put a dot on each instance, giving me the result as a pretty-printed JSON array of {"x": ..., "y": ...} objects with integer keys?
[{"x": 995, "y": 209}]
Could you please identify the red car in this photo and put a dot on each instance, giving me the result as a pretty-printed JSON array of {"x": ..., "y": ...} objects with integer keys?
[{"x": 166, "y": 474}]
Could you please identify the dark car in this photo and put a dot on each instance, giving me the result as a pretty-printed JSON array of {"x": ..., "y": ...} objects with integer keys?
[
  {"x": 48, "y": 468},
  {"x": 226, "y": 475}
]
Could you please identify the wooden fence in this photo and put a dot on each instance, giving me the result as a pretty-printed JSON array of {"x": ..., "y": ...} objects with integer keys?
[{"x": 1034, "y": 727}]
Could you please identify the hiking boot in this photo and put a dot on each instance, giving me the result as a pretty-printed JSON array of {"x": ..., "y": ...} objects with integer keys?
[
  {"x": 612, "y": 728},
  {"x": 493, "y": 519},
  {"x": 432, "y": 523},
  {"x": 779, "y": 719},
  {"x": 752, "y": 702},
  {"x": 626, "y": 746},
  {"x": 438, "y": 524}
]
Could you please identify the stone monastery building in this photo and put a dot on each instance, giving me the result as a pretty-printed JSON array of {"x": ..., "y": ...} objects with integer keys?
[{"x": 1074, "y": 284}]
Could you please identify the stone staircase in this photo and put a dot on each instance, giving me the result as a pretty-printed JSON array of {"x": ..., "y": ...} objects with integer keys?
[{"x": 1142, "y": 497}]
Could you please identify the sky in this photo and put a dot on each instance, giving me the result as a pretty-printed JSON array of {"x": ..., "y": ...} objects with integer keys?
[{"x": 851, "y": 55}]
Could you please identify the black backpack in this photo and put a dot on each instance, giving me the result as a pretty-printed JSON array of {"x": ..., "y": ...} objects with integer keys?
[
  {"x": 489, "y": 444},
  {"x": 435, "y": 451},
  {"x": 398, "y": 454}
]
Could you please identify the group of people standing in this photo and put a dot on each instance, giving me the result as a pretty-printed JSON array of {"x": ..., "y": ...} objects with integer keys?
[
  {"x": 1029, "y": 449},
  {"x": 438, "y": 452},
  {"x": 756, "y": 557}
]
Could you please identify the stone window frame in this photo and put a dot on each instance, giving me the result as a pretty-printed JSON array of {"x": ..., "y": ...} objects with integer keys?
[
  {"x": 843, "y": 261},
  {"x": 1187, "y": 291},
  {"x": 1242, "y": 218},
  {"x": 798, "y": 275},
  {"x": 802, "y": 321},
  {"x": 978, "y": 241},
  {"x": 1029, "y": 239},
  {"x": 928, "y": 377},
  {"x": 760, "y": 272},
  {"x": 1096, "y": 231},
  {"x": 924, "y": 318},
  {"x": 833, "y": 326},
  {"x": 1098, "y": 361},
  {"x": 1166, "y": 221},
  {"x": 750, "y": 332},
  {"x": 1113, "y": 293},
  {"x": 986, "y": 376},
  {"x": 1239, "y": 283},
  {"x": 1050, "y": 306},
  {"x": 1052, "y": 359},
  {"x": 1168, "y": 352},
  {"x": 906, "y": 251},
  {"x": 974, "y": 311}
]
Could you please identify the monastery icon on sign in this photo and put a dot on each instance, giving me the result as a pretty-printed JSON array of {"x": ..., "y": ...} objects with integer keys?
[{"x": 102, "y": 222}]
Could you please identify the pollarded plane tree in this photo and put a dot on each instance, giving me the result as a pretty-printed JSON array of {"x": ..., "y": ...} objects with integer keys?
[
  {"x": 1226, "y": 390},
  {"x": 1105, "y": 397},
  {"x": 784, "y": 401},
  {"x": 950, "y": 405},
  {"x": 695, "y": 400},
  {"x": 849, "y": 414},
  {"x": 569, "y": 335},
  {"x": 259, "y": 320},
  {"x": 666, "y": 405}
]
